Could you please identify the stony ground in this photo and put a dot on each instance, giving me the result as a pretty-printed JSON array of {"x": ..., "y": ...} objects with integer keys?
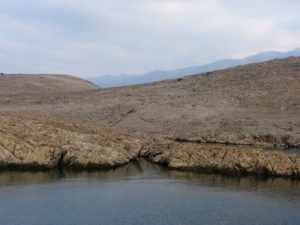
[
  {"x": 41, "y": 142},
  {"x": 252, "y": 104},
  {"x": 256, "y": 104}
]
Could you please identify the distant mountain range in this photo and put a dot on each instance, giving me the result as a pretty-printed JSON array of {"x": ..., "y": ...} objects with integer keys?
[{"x": 126, "y": 79}]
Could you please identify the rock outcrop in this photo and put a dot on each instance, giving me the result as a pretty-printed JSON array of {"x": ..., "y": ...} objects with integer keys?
[
  {"x": 256, "y": 104},
  {"x": 28, "y": 141},
  {"x": 221, "y": 158},
  {"x": 39, "y": 142}
]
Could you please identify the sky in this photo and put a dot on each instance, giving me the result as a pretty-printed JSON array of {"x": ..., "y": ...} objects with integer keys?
[{"x": 97, "y": 37}]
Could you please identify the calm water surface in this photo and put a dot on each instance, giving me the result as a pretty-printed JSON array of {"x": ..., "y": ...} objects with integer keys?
[{"x": 143, "y": 193}]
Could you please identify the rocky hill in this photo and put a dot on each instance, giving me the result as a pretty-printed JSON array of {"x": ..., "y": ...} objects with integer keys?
[
  {"x": 250, "y": 104},
  {"x": 255, "y": 104},
  {"x": 39, "y": 83}
]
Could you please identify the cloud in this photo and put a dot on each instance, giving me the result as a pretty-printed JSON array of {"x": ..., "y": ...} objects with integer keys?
[{"x": 88, "y": 38}]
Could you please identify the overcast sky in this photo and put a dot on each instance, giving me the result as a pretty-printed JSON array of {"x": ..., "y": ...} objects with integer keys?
[{"x": 97, "y": 37}]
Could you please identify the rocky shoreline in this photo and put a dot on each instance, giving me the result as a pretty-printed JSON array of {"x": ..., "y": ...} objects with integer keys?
[
  {"x": 39, "y": 142},
  {"x": 36, "y": 142},
  {"x": 233, "y": 160},
  {"x": 258, "y": 163}
]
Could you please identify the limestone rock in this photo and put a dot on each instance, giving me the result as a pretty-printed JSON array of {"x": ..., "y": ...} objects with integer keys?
[
  {"x": 40, "y": 142},
  {"x": 222, "y": 158}
]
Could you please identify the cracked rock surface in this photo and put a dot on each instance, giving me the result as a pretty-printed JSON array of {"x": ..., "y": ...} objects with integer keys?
[
  {"x": 40, "y": 142},
  {"x": 221, "y": 158}
]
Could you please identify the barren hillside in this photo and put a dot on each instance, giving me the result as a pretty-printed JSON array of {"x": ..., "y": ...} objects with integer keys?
[
  {"x": 256, "y": 104},
  {"x": 251, "y": 104},
  {"x": 39, "y": 83}
]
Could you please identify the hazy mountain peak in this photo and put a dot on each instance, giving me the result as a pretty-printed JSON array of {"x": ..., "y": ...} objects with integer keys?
[{"x": 157, "y": 75}]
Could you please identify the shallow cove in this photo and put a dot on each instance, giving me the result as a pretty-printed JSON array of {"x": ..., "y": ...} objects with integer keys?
[{"x": 144, "y": 193}]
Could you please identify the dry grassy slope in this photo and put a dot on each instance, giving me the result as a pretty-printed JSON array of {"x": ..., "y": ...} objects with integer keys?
[
  {"x": 13, "y": 84},
  {"x": 251, "y": 104}
]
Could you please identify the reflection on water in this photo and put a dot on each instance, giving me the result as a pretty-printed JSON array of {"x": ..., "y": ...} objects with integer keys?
[
  {"x": 147, "y": 170},
  {"x": 145, "y": 193}
]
